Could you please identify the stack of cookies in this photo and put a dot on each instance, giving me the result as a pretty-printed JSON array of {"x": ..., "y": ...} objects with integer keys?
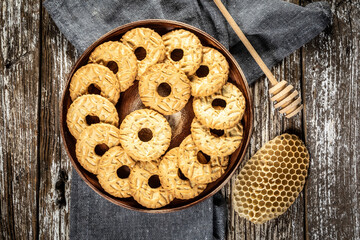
[{"x": 134, "y": 159}]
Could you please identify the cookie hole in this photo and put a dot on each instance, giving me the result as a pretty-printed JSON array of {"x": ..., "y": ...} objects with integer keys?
[
  {"x": 181, "y": 175},
  {"x": 113, "y": 66},
  {"x": 145, "y": 135},
  {"x": 202, "y": 71},
  {"x": 91, "y": 119},
  {"x": 101, "y": 149},
  {"x": 177, "y": 54},
  {"x": 154, "y": 181},
  {"x": 123, "y": 172},
  {"x": 216, "y": 133},
  {"x": 164, "y": 89},
  {"x": 203, "y": 158},
  {"x": 93, "y": 89},
  {"x": 218, "y": 104},
  {"x": 140, "y": 53}
]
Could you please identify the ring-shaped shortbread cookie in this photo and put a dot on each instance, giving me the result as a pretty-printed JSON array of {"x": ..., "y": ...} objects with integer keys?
[
  {"x": 146, "y": 187},
  {"x": 90, "y": 139},
  {"x": 118, "y": 56},
  {"x": 90, "y": 106},
  {"x": 218, "y": 142},
  {"x": 171, "y": 178},
  {"x": 114, "y": 170},
  {"x": 196, "y": 167},
  {"x": 183, "y": 49},
  {"x": 100, "y": 77},
  {"x": 147, "y": 40},
  {"x": 221, "y": 110},
  {"x": 164, "y": 88},
  {"x": 145, "y": 134},
  {"x": 211, "y": 75}
]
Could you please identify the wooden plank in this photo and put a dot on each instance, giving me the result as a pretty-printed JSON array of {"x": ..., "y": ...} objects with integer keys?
[
  {"x": 332, "y": 92},
  {"x": 19, "y": 79},
  {"x": 58, "y": 56},
  {"x": 268, "y": 123}
]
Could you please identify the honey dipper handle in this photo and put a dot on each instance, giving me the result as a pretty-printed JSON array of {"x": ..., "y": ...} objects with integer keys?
[{"x": 246, "y": 42}]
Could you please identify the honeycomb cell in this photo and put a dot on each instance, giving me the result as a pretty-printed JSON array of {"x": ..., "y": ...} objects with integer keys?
[{"x": 272, "y": 179}]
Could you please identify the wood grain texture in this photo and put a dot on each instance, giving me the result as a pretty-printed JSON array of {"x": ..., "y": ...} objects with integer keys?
[
  {"x": 19, "y": 79},
  {"x": 57, "y": 57},
  {"x": 267, "y": 125},
  {"x": 35, "y": 172},
  {"x": 332, "y": 96}
]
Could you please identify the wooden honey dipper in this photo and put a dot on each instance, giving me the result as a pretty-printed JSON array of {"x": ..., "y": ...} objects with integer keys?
[{"x": 282, "y": 93}]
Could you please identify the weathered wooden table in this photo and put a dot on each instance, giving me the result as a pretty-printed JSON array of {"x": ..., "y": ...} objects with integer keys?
[{"x": 35, "y": 171}]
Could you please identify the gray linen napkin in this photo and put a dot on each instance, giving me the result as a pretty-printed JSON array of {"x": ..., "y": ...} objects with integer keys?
[{"x": 275, "y": 28}]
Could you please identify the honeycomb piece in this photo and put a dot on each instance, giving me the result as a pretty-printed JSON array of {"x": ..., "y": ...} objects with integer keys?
[{"x": 272, "y": 179}]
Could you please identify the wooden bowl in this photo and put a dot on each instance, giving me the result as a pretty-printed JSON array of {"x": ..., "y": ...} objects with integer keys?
[{"x": 180, "y": 122}]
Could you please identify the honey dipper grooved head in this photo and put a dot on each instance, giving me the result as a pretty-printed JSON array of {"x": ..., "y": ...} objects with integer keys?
[{"x": 287, "y": 98}]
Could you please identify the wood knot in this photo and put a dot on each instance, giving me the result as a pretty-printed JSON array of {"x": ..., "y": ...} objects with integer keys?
[{"x": 60, "y": 188}]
